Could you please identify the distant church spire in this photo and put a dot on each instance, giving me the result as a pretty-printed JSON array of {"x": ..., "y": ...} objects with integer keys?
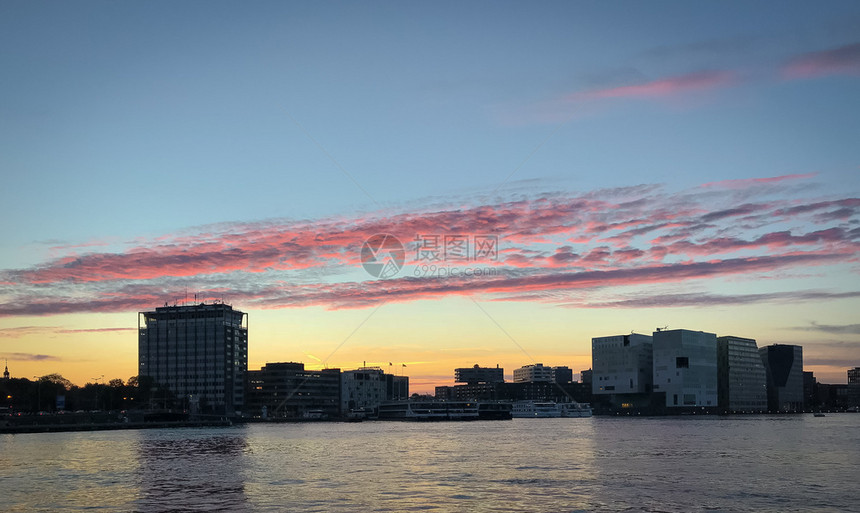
[{"x": 6, "y": 372}]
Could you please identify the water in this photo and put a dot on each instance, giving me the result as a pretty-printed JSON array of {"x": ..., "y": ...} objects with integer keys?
[{"x": 756, "y": 463}]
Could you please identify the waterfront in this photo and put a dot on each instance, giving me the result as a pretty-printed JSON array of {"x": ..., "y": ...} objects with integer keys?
[{"x": 741, "y": 463}]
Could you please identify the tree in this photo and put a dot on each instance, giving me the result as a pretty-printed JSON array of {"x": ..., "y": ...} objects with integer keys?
[
  {"x": 56, "y": 379},
  {"x": 116, "y": 383}
]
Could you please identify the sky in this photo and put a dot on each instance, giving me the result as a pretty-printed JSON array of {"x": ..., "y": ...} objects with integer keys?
[{"x": 552, "y": 171}]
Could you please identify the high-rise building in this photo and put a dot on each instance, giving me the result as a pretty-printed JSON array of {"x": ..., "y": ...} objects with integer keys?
[
  {"x": 621, "y": 364},
  {"x": 741, "y": 381},
  {"x": 290, "y": 390},
  {"x": 476, "y": 374},
  {"x": 685, "y": 368},
  {"x": 783, "y": 364},
  {"x": 533, "y": 373},
  {"x": 854, "y": 386},
  {"x": 198, "y": 353}
]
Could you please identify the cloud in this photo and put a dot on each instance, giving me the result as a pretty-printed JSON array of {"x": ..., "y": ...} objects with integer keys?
[
  {"x": 844, "y": 60},
  {"x": 669, "y": 86},
  {"x": 29, "y": 357},
  {"x": 841, "y": 329},
  {"x": 701, "y": 299},
  {"x": 548, "y": 243}
]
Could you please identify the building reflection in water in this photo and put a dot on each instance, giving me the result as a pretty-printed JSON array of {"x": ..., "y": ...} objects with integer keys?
[{"x": 182, "y": 470}]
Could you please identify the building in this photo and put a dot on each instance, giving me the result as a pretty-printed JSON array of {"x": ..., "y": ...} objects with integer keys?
[
  {"x": 364, "y": 388},
  {"x": 476, "y": 374},
  {"x": 396, "y": 387},
  {"x": 783, "y": 365},
  {"x": 6, "y": 371},
  {"x": 741, "y": 380},
  {"x": 533, "y": 374},
  {"x": 621, "y": 364},
  {"x": 685, "y": 368},
  {"x": 562, "y": 374},
  {"x": 196, "y": 356},
  {"x": 289, "y": 390},
  {"x": 854, "y": 386},
  {"x": 585, "y": 377}
]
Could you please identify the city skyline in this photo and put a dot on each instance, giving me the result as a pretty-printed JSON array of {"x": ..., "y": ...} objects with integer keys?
[{"x": 696, "y": 169}]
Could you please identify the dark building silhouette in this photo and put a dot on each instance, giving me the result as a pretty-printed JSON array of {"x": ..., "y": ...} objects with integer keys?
[
  {"x": 784, "y": 366},
  {"x": 854, "y": 386},
  {"x": 197, "y": 353},
  {"x": 476, "y": 374},
  {"x": 289, "y": 390}
]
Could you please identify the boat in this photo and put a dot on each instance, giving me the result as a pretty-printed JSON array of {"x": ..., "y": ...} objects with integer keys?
[
  {"x": 549, "y": 410},
  {"x": 818, "y": 414},
  {"x": 444, "y": 410},
  {"x": 535, "y": 410}
]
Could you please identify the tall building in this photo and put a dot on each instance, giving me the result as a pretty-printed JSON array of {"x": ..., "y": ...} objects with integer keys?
[
  {"x": 741, "y": 381},
  {"x": 685, "y": 368},
  {"x": 783, "y": 364},
  {"x": 533, "y": 373},
  {"x": 854, "y": 386},
  {"x": 476, "y": 374},
  {"x": 198, "y": 353},
  {"x": 290, "y": 390},
  {"x": 621, "y": 364}
]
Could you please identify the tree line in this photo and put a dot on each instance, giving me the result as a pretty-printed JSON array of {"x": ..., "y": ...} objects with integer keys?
[{"x": 53, "y": 392}]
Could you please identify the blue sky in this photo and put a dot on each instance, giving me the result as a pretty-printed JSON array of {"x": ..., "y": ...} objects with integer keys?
[{"x": 126, "y": 124}]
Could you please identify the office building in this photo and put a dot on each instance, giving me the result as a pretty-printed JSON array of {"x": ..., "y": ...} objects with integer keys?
[
  {"x": 741, "y": 380},
  {"x": 685, "y": 368},
  {"x": 533, "y": 374},
  {"x": 289, "y": 390},
  {"x": 197, "y": 354},
  {"x": 621, "y": 364},
  {"x": 783, "y": 365},
  {"x": 562, "y": 374},
  {"x": 362, "y": 389},
  {"x": 476, "y": 374}
]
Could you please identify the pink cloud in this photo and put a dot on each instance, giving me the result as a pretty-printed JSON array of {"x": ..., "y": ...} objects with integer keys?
[
  {"x": 698, "y": 81},
  {"x": 747, "y": 182},
  {"x": 844, "y": 60},
  {"x": 546, "y": 243}
]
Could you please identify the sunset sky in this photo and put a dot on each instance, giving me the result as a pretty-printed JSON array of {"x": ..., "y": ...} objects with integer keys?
[{"x": 641, "y": 164}]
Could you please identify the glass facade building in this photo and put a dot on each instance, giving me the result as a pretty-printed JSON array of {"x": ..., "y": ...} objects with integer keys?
[{"x": 742, "y": 384}]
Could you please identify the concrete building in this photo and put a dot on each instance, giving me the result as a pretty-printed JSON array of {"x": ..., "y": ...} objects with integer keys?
[
  {"x": 621, "y": 364},
  {"x": 476, "y": 374},
  {"x": 741, "y": 379},
  {"x": 364, "y": 388},
  {"x": 533, "y": 374},
  {"x": 783, "y": 364},
  {"x": 685, "y": 368},
  {"x": 289, "y": 390},
  {"x": 198, "y": 353}
]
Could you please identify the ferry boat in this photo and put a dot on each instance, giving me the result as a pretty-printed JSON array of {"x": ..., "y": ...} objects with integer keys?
[
  {"x": 444, "y": 410},
  {"x": 549, "y": 409}
]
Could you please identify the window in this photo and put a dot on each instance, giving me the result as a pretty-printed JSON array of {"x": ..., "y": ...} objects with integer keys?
[{"x": 682, "y": 362}]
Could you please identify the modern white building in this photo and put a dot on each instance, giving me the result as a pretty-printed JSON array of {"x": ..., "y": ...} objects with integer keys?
[
  {"x": 741, "y": 379},
  {"x": 534, "y": 373},
  {"x": 783, "y": 364},
  {"x": 685, "y": 368},
  {"x": 621, "y": 364}
]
